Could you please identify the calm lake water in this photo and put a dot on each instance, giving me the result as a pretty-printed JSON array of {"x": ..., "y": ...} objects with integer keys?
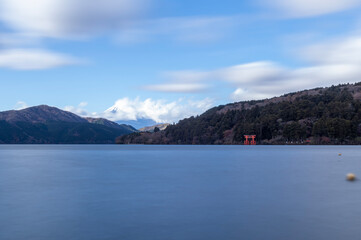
[{"x": 179, "y": 192}]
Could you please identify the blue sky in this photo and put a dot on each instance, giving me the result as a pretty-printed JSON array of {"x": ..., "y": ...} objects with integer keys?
[{"x": 166, "y": 60}]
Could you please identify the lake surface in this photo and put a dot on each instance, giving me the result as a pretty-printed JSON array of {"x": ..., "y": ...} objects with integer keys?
[{"x": 96, "y": 192}]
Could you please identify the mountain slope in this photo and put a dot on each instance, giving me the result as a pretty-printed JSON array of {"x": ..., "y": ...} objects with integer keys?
[
  {"x": 319, "y": 116},
  {"x": 44, "y": 124},
  {"x": 106, "y": 122},
  {"x": 40, "y": 114},
  {"x": 161, "y": 127},
  {"x": 137, "y": 124}
]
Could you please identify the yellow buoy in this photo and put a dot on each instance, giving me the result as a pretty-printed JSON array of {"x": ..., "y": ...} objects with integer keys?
[{"x": 351, "y": 177}]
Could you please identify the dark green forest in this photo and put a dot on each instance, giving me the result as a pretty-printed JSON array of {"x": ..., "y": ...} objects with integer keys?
[
  {"x": 57, "y": 133},
  {"x": 318, "y": 116}
]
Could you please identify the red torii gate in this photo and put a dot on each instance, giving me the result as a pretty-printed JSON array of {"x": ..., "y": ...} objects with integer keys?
[{"x": 252, "y": 142}]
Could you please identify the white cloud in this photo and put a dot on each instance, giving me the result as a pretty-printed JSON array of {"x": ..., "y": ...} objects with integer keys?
[
  {"x": 13, "y": 40},
  {"x": 80, "y": 110},
  {"x": 339, "y": 51},
  {"x": 182, "y": 82},
  {"x": 328, "y": 63},
  {"x": 68, "y": 18},
  {"x": 161, "y": 111},
  {"x": 177, "y": 87},
  {"x": 83, "y": 104},
  {"x": 33, "y": 59},
  {"x": 241, "y": 94},
  {"x": 250, "y": 72},
  {"x": 186, "y": 76},
  {"x": 266, "y": 86},
  {"x": 310, "y": 8},
  {"x": 296, "y": 80},
  {"x": 21, "y": 105},
  {"x": 332, "y": 63},
  {"x": 180, "y": 29},
  {"x": 30, "y": 21}
]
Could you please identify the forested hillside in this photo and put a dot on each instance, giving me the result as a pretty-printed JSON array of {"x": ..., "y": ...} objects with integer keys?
[
  {"x": 50, "y": 125},
  {"x": 318, "y": 116}
]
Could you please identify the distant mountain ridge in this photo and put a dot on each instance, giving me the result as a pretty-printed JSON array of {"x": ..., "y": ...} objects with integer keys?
[
  {"x": 161, "y": 127},
  {"x": 40, "y": 114},
  {"x": 108, "y": 123},
  {"x": 329, "y": 115},
  {"x": 139, "y": 123},
  {"x": 45, "y": 124}
]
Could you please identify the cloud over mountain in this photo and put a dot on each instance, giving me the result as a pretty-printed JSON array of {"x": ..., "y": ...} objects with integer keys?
[{"x": 160, "y": 111}]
